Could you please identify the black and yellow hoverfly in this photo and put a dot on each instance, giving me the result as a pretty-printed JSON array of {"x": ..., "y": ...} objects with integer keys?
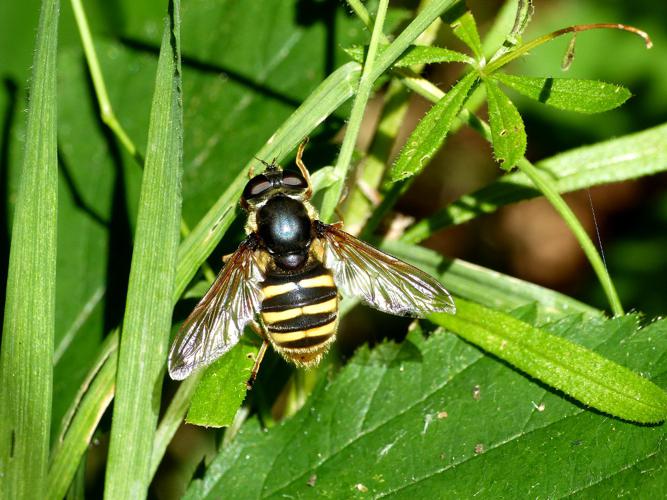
[{"x": 285, "y": 277}]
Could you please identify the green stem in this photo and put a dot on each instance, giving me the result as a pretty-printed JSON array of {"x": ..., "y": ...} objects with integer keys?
[
  {"x": 522, "y": 49},
  {"x": 106, "y": 110},
  {"x": 332, "y": 196},
  {"x": 551, "y": 193}
]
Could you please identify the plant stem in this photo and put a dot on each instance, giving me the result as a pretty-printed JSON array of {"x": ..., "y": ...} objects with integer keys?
[
  {"x": 546, "y": 187},
  {"x": 332, "y": 196},
  {"x": 522, "y": 49},
  {"x": 106, "y": 110}
]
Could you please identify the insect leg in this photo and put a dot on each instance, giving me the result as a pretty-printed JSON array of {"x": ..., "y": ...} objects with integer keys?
[
  {"x": 302, "y": 166},
  {"x": 258, "y": 361}
]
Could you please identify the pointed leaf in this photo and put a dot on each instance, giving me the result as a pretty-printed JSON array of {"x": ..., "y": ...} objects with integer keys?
[
  {"x": 415, "y": 54},
  {"x": 507, "y": 131},
  {"x": 146, "y": 325},
  {"x": 579, "y": 372},
  {"x": 431, "y": 131},
  {"x": 465, "y": 30},
  {"x": 26, "y": 361},
  {"x": 583, "y": 96}
]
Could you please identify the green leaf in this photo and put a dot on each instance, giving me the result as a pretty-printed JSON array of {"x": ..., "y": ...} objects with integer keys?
[
  {"x": 628, "y": 157},
  {"x": 431, "y": 131},
  {"x": 223, "y": 387},
  {"x": 145, "y": 334},
  {"x": 507, "y": 131},
  {"x": 26, "y": 361},
  {"x": 583, "y": 96},
  {"x": 433, "y": 415},
  {"x": 465, "y": 30},
  {"x": 578, "y": 372},
  {"x": 415, "y": 55},
  {"x": 80, "y": 426},
  {"x": 419, "y": 54}
]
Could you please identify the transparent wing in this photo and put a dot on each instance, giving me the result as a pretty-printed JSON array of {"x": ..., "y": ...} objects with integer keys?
[
  {"x": 380, "y": 280},
  {"x": 217, "y": 323}
]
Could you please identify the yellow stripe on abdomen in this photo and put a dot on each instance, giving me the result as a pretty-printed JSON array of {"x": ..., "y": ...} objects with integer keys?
[
  {"x": 320, "y": 331},
  {"x": 317, "y": 281}
]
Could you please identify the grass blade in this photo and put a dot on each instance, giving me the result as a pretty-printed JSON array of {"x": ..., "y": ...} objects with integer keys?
[
  {"x": 147, "y": 321},
  {"x": 575, "y": 370},
  {"x": 26, "y": 361},
  {"x": 488, "y": 287},
  {"x": 80, "y": 430}
]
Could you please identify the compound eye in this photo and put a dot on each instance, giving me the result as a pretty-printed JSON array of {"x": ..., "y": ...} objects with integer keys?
[
  {"x": 256, "y": 186},
  {"x": 294, "y": 181}
]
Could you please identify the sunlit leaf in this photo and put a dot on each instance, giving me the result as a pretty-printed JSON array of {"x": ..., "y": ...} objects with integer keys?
[
  {"x": 507, "y": 130},
  {"x": 223, "y": 387},
  {"x": 465, "y": 29},
  {"x": 431, "y": 131},
  {"x": 583, "y": 96},
  {"x": 415, "y": 55}
]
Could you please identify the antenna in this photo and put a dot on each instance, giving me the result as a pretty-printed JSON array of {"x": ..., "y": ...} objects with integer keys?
[{"x": 271, "y": 166}]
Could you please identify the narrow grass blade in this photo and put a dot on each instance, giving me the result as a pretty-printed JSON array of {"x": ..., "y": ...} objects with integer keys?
[
  {"x": 430, "y": 133},
  {"x": 507, "y": 130},
  {"x": 488, "y": 287},
  {"x": 615, "y": 160},
  {"x": 80, "y": 430},
  {"x": 586, "y": 376},
  {"x": 147, "y": 321},
  {"x": 26, "y": 361},
  {"x": 571, "y": 94}
]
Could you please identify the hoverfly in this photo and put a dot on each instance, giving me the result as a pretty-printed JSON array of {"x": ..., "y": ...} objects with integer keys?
[{"x": 285, "y": 277}]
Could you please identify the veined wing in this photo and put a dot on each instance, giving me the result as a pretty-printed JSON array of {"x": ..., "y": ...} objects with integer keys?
[
  {"x": 380, "y": 280},
  {"x": 217, "y": 322}
]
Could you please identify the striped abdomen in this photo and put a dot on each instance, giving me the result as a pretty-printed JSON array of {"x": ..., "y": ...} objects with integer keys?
[{"x": 300, "y": 312}]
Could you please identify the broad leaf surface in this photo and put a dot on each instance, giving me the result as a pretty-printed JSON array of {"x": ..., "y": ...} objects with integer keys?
[
  {"x": 507, "y": 130},
  {"x": 433, "y": 415},
  {"x": 583, "y": 96}
]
